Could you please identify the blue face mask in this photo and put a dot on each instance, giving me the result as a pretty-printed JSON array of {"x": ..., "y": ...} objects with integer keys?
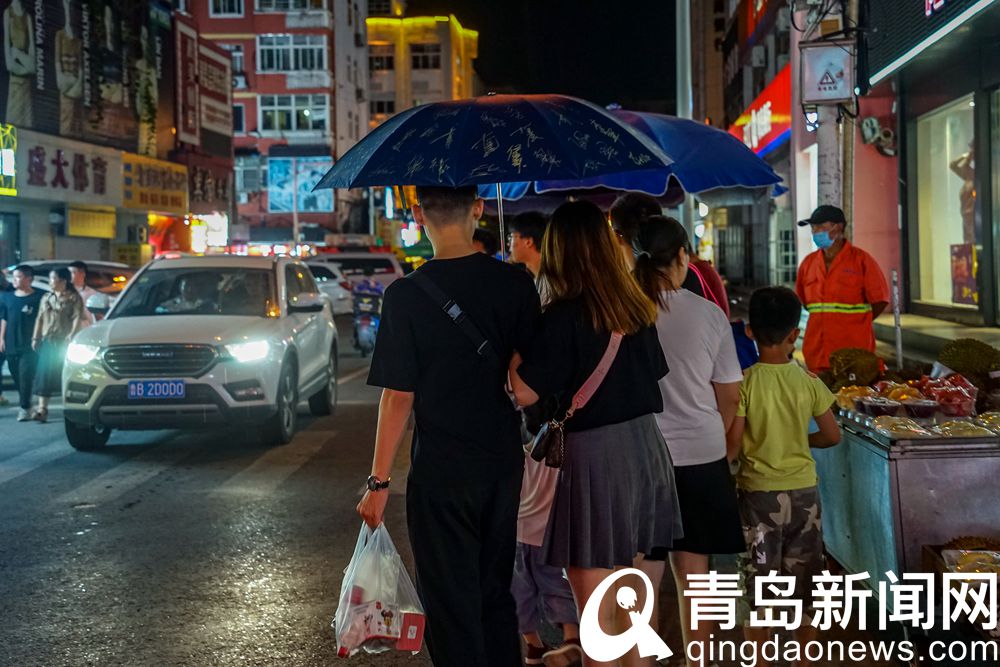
[{"x": 823, "y": 240}]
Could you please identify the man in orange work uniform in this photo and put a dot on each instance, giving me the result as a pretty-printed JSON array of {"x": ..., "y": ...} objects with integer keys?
[{"x": 842, "y": 287}]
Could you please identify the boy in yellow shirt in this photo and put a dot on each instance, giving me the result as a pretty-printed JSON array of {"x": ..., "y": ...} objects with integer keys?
[{"x": 778, "y": 496}]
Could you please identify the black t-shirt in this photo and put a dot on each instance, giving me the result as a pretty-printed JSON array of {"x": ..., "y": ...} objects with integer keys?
[
  {"x": 465, "y": 422},
  {"x": 20, "y": 312},
  {"x": 568, "y": 350}
]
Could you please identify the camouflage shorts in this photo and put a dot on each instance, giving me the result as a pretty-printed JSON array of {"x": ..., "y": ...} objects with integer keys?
[{"x": 783, "y": 534}]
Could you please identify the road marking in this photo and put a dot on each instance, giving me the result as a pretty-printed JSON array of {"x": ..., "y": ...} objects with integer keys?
[
  {"x": 24, "y": 463},
  {"x": 353, "y": 375},
  {"x": 270, "y": 471},
  {"x": 124, "y": 477}
]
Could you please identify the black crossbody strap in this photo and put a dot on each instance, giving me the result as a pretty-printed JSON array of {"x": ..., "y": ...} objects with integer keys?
[{"x": 458, "y": 316}]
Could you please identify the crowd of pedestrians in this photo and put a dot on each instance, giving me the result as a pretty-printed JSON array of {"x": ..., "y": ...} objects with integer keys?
[
  {"x": 613, "y": 333},
  {"x": 35, "y": 329}
]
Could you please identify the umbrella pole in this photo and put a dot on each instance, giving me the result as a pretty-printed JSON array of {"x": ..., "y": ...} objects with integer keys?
[{"x": 503, "y": 235}]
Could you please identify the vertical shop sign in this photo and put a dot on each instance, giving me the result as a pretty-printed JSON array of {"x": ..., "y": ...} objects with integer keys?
[
  {"x": 188, "y": 112},
  {"x": 215, "y": 90}
]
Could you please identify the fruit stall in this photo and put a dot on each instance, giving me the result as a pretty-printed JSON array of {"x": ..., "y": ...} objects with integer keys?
[{"x": 919, "y": 459}]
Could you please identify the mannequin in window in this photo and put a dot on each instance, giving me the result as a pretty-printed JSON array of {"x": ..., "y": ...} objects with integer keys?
[{"x": 964, "y": 166}]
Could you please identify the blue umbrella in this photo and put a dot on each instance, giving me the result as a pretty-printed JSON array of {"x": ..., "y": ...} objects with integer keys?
[
  {"x": 706, "y": 162},
  {"x": 495, "y": 139}
]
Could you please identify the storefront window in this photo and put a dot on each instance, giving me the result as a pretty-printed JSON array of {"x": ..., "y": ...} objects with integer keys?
[{"x": 948, "y": 228}]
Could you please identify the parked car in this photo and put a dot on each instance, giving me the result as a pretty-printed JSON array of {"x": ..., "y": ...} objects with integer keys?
[
  {"x": 106, "y": 277},
  {"x": 384, "y": 266},
  {"x": 203, "y": 341},
  {"x": 334, "y": 284}
]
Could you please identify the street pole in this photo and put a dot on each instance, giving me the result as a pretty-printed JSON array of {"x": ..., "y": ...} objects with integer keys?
[
  {"x": 684, "y": 91},
  {"x": 829, "y": 160},
  {"x": 295, "y": 205}
]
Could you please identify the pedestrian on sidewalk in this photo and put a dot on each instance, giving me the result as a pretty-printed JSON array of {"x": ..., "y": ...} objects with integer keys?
[
  {"x": 449, "y": 367},
  {"x": 777, "y": 482},
  {"x": 842, "y": 287},
  {"x": 78, "y": 270},
  {"x": 537, "y": 586},
  {"x": 627, "y": 214},
  {"x": 60, "y": 316},
  {"x": 18, "y": 312},
  {"x": 615, "y": 497},
  {"x": 700, "y": 397},
  {"x": 5, "y": 286},
  {"x": 526, "y": 233}
]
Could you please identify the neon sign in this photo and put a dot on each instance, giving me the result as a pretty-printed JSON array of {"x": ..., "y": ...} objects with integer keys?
[
  {"x": 931, "y": 6},
  {"x": 767, "y": 123},
  {"x": 8, "y": 149}
]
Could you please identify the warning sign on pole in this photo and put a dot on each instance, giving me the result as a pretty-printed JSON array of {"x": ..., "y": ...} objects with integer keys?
[{"x": 827, "y": 73}]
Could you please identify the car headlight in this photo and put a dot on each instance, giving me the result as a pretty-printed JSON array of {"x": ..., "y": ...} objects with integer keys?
[
  {"x": 254, "y": 350},
  {"x": 81, "y": 354}
]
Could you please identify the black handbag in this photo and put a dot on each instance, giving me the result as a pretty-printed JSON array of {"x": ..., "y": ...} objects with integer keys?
[{"x": 549, "y": 444}]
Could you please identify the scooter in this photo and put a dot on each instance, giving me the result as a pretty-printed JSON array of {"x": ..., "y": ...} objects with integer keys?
[{"x": 367, "y": 314}]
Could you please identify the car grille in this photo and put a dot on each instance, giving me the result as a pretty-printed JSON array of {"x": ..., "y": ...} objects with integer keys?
[{"x": 159, "y": 360}]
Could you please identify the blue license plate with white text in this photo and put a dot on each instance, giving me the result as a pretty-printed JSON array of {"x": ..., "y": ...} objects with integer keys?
[{"x": 149, "y": 389}]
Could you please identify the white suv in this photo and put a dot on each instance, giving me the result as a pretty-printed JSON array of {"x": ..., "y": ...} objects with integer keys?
[{"x": 204, "y": 341}]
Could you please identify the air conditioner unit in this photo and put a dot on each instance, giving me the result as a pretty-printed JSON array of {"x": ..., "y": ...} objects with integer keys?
[
  {"x": 242, "y": 197},
  {"x": 239, "y": 81}
]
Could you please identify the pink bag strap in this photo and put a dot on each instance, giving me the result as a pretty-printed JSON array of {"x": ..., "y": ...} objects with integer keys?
[
  {"x": 592, "y": 384},
  {"x": 701, "y": 281}
]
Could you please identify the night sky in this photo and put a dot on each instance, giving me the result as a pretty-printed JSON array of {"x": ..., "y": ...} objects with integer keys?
[{"x": 602, "y": 50}]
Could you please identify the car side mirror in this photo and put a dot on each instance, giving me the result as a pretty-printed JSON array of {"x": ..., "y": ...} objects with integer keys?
[
  {"x": 307, "y": 303},
  {"x": 98, "y": 304}
]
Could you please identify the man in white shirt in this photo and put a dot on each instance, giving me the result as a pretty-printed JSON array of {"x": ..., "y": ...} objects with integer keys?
[{"x": 78, "y": 270}]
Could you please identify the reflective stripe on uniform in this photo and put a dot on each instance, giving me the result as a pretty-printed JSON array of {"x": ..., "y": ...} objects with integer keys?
[{"x": 839, "y": 307}]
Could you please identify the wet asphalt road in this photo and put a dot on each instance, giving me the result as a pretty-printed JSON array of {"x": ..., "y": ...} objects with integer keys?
[{"x": 184, "y": 548}]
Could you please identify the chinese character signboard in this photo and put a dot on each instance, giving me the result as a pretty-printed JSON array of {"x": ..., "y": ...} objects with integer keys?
[
  {"x": 93, "y": 70},
  {"x": 66, "y": 171},
  {"x": 767, "y": 123},
  {"x": 215, "y": 90},
  {"x": 283, "y": 185},
  {"x": 186, "y": 52},
  {"x": 154, "y": 185}
]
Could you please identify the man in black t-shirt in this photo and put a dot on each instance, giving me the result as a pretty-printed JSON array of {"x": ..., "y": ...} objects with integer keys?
[
  {"x": 464, "y": 484},
  {"x": 18, "y": 312}
]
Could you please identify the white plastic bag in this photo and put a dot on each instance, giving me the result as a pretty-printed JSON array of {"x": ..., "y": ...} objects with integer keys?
[{"x": 379, "y": 609}]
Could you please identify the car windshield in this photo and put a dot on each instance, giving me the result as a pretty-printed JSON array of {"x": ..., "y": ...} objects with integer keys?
[
  {"x": 356, "y": 266},
  {"x": 195, "y": 291}
]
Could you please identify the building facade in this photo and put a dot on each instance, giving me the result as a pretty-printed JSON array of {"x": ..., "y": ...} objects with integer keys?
[
  {"x": 89, "y": 130},
  {"x": 934, "y": 97},
  {"x": 299, "y": 102},
  {"x": 416, "y": 60},
  {"x": 755, "y": 244}
]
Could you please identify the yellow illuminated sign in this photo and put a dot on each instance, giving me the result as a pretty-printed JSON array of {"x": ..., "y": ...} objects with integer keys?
[{"x": 92, "y": 223}]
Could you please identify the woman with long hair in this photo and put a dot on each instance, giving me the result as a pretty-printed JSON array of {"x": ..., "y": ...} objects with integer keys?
[
  {"x": 700, "y": 397},
  {"x": 60, "y": 315},
  {"x": 615, "y": 497}
]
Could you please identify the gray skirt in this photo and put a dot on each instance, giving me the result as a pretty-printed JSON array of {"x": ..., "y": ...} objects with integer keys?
[{"x": 616, "y": 497}]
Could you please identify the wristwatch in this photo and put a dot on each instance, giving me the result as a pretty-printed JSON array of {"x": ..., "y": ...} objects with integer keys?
[{"x": 375, "y": 484}]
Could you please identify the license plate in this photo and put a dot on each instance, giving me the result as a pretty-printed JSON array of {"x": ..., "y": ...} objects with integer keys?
[{"x": 146, "y": 389}]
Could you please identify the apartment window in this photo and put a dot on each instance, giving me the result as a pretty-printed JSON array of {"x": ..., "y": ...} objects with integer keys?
[
  {"x": 378, "y": 107},
  {"x": 291, "y": 53},
  {"x": 379, "y": 7},
  {"x": 250, "y": 174},
  {"x": 236, "y": 53},
  {"x": 293, "y": 113},
  {"x": 288, "y": 5},
  {"x": 239, "y": 119},
  {"x": 226, "y": 8},
  {"x": 425, "y": 56},
  {"x": 381, "y": 57}
]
